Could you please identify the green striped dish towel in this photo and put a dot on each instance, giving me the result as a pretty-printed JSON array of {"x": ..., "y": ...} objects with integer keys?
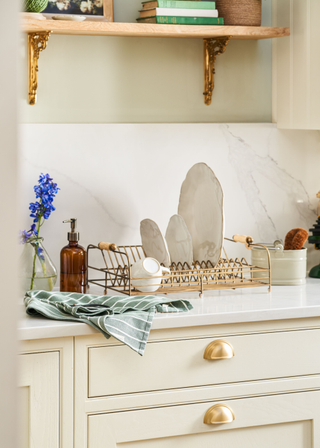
[{"x": 127, "y": 319}]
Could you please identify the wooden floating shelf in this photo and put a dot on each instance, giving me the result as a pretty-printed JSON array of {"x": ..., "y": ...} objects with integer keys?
[
  {"x": 31, "y": 25},
  {"x": 215, "y": 40}
]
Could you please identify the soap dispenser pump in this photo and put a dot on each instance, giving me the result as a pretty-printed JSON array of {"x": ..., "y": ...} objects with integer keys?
[{"x": 73, "y": 263}]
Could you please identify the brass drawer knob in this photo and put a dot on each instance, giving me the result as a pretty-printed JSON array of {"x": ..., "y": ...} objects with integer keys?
[
  {"x": 218, "y": 349},
  {"x": 218, "y": 415}
]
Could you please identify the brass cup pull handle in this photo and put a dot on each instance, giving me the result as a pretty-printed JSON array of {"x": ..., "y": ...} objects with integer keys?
[
  {"x": 218, "y": 349},
  {"x": 218, "y": 414}
]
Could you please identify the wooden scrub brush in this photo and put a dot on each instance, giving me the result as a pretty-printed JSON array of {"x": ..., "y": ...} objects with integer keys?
[{"x": 295, "y": 239}]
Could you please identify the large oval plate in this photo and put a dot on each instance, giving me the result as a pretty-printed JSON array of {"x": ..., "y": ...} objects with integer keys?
[
  {"x": 153, "y": 243},
  {"x": 201, "y": 206}
]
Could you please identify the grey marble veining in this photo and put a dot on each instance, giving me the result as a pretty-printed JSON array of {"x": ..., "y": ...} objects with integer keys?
[
  {"x": 249, "y": 166},
  {"x": 114, "y": 175}
]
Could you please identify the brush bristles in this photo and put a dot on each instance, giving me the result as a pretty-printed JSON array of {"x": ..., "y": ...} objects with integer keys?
[{"x": 295, "y": 239}]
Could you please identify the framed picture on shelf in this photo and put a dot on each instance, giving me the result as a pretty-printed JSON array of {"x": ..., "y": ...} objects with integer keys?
[{"x": 91, "y": 9}]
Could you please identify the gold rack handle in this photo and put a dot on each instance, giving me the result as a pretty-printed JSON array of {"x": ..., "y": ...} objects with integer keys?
[
  {"x": 219, "y": 414},
  {"x": 246, "y": 240},
  {"x": 108, "y": 246},
  {"x": 218, "y": 349}
]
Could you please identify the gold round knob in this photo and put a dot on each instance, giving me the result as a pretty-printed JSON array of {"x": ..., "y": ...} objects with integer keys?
[
  {"x": 218, "y": 349},
  {"x": 218, "y": 415}
]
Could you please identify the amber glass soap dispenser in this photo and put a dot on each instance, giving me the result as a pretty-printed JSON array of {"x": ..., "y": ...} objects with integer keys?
[{"x": 73, "y": 263}]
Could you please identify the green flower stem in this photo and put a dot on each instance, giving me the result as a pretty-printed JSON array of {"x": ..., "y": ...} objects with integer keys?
[
  {"x": 33, "y": 268},
  {"x": 35, "y": 255}
]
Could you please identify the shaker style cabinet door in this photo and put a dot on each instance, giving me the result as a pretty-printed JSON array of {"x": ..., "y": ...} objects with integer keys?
[
  {"x": 296, "y": 65},
  {"x": 39, "y": 400},
  {"x": 278, "y": 421}
]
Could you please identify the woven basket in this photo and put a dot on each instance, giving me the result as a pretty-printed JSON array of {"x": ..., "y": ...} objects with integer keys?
[
  {"x": 243, "y": 13},
  {"x": 35, "y": 5}
]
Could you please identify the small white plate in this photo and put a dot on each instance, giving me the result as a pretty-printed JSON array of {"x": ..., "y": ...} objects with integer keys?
[
  {"x": 70, "y": 17},
  {"x": 179, "y": 241},
  {"x": 153, "y": 243}
]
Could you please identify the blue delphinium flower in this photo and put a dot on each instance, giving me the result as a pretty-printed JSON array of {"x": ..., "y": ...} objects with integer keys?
[
  {"x": 40, "y": 253},
  {"x": 26, "y": 234},
  {"x": 34, "y": 229},
  {"x": 45, "y": 191}
]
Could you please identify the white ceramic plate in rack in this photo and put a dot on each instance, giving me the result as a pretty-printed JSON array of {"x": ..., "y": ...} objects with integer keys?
[
  {"x": 179, "y": 241},
  {"x": 70, "y": 17},
  {"x": 153, "y": 243},
  {"x": 201, "y": 206}
]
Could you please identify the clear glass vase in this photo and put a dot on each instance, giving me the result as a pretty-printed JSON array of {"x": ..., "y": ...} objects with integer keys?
[{"x": 37, "y": 270}]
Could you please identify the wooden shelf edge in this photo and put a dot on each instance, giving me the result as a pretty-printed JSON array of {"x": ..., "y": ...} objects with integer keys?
[{"x": 32, "y": 25}]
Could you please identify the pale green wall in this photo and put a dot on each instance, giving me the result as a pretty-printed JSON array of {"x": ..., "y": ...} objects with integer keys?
[{"x": 119, "y": 80}]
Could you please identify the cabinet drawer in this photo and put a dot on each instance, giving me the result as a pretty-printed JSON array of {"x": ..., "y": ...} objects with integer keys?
[
  {"x": 177, "y": 364},
  {"x": 289, "y": 420}
]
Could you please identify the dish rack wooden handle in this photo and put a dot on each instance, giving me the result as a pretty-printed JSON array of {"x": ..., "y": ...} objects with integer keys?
[
  {"x": 247, "y": 240},
  {"x": 108, "y": 246}
]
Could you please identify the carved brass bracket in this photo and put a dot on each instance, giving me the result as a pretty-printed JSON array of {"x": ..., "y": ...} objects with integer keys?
[
  {"x": 212, "y": 48},
  {"x": 36, "y": 43}
]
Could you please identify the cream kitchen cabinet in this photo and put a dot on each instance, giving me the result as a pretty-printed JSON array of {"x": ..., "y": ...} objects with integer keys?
[
  {"x": 39, "y": 395},
  {"x": 271, "y": 385},
  {"x": 118, "y": 399},
  {"x": 296, "y": 65},
  {"x": 80, "y": 390},
  {"x": 46, "y": 393}
]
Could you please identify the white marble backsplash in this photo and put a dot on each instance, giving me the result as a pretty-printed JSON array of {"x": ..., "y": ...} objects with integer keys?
[{"x": 112, "y": 176}]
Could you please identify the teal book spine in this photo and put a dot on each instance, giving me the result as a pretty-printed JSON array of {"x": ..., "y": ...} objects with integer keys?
[{"x": 190, "y": 20}]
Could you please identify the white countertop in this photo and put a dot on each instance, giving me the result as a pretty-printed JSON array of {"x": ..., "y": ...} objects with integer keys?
[{"x": 217, "y": 307}]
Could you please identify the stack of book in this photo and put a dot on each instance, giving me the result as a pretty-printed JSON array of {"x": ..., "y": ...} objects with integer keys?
[{"x": 180, "y": 12}]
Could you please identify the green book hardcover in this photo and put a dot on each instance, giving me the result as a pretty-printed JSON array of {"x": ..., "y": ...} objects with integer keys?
[
  {"x": 183, "y": 20},
  {"x": 184, "y": 4}
]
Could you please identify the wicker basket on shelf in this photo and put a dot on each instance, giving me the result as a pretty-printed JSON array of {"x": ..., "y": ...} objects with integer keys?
[{"x": 242, "y": 13}]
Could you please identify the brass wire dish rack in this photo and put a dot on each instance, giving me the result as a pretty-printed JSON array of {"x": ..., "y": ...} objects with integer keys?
[{"x": 202, "y": 276}]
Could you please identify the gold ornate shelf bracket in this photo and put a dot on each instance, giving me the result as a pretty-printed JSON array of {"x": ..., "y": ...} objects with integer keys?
[
  {"x": 36, "y": 42},
  {"x": 212, "y": 48}
]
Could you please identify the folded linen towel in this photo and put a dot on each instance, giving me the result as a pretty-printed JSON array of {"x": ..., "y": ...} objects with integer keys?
[{"x": 127, "y": 319}]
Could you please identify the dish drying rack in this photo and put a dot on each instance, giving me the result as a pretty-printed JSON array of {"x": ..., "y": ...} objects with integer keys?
[{"x": 201, "y": 276}]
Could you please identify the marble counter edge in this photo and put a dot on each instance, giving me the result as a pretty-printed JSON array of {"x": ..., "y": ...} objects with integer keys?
[
  {"x": 54, "y": 329},
  {"x": 225, "y": 307}
]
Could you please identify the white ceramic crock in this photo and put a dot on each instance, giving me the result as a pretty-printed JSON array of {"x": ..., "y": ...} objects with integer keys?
[
  {"x": 288, "y": 267},
  {"x": 147, "y": 273}
]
